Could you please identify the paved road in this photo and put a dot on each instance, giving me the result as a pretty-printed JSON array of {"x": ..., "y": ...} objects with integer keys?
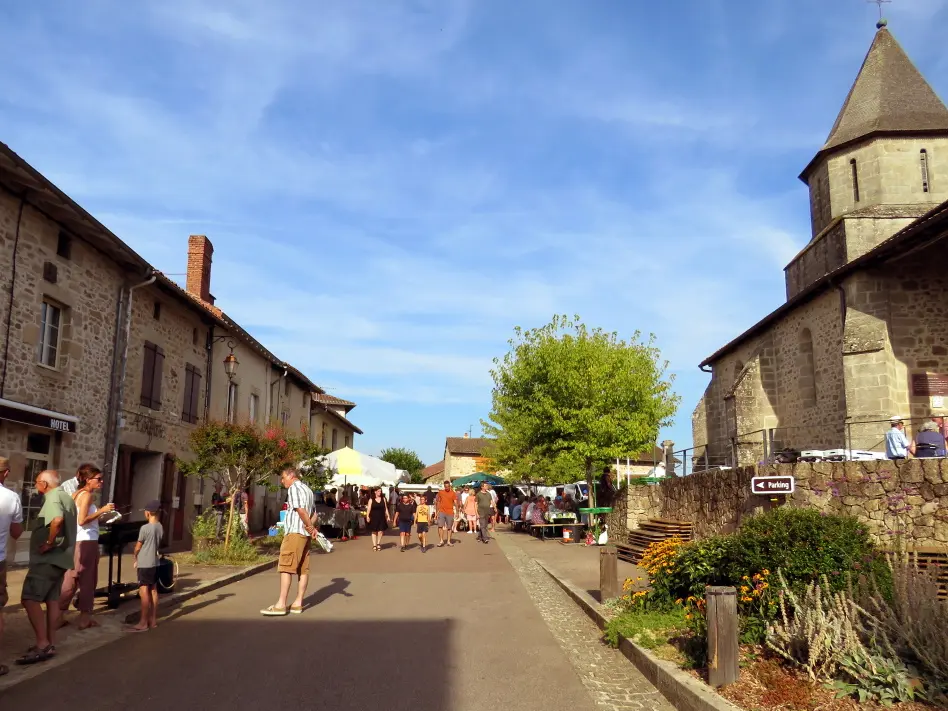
[{"x": 448, "y": 630}]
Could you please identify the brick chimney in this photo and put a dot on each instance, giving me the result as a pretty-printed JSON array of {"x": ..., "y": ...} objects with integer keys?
[{"x": 200, "y": 251}]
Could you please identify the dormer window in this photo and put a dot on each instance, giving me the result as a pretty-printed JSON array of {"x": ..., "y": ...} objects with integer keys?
[
  {"x": 855, "y": 171},
  {"x": 923, "y": 157}
]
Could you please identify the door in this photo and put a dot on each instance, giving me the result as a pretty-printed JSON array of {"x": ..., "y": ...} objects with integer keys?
[
  {"x": 123, "y": 482},
  {"x": 167, "y": 496},
  {"x": 178, "y": 533}
]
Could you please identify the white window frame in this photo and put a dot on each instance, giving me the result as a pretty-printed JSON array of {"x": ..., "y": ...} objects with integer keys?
[
  {"x": 30, "y": 501},
  {"x": 48, "y": 333},
  {"x": 232, "y": 402},
  {"x": 254, "y": 402}
]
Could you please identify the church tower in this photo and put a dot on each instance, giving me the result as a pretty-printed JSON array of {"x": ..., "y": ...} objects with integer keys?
[{"x": 884, "y": 164}]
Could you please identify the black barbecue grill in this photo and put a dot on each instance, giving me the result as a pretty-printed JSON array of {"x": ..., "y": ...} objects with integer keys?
[{"x": 114, "y": 538}]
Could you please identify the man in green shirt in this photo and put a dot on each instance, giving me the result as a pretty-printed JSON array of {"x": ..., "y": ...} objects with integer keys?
[
  {"x": 485, "y": 509},
  {"x": 52, "y": 545}
]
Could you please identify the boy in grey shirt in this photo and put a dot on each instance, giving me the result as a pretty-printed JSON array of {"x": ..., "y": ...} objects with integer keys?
[{"x": 146, "y": 561}]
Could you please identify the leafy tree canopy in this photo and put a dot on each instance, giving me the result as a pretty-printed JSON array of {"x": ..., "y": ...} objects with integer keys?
[
  {"x": 237, "y": 456},
  {"x": 402, "y": 458},
  {"x": 567, "y": 398}
]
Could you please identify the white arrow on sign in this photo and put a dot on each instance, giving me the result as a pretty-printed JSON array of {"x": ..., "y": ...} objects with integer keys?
[{"x": 773, "y": 485}]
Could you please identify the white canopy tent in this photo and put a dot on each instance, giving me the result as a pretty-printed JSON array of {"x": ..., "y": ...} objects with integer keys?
[{"x": 352, "y": 467}]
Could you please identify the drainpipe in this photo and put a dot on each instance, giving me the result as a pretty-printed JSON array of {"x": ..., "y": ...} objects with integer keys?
[
  {"x": 207, "y": 374},
  {"x": 114, "y": 382},
  {"x": 123, "y": 367},
  {"x": 704, "y": 369}
]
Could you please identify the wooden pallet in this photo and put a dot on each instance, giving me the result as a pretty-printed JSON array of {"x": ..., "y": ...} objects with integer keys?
[
  {"x": 654, "y": 530},
  {"x": 936, "y": 558}
]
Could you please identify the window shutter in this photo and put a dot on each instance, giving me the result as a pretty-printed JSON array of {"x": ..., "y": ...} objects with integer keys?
[
  {"x": 156, "y": 382},
  {"x": 195, "y": 393},
  {"x": 188, "y": 384},
  {"x": 148, "y": 373}
]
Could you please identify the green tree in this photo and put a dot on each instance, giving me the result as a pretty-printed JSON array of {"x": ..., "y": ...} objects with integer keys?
[
  {"x": 237, "y": 456},
  {"x": 405, "y": 459},
  {"x": 568, "y": 398}
]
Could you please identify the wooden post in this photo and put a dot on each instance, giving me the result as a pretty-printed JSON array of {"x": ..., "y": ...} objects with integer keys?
[
  {"x": 608, "y": 573},
  {"x": 723, "y": 643}
]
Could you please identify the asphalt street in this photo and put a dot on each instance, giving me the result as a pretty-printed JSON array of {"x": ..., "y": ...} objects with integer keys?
[{"x": 447, "y": 630}]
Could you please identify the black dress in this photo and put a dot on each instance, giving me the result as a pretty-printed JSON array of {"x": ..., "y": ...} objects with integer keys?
[{"x": 376, "y": 515}]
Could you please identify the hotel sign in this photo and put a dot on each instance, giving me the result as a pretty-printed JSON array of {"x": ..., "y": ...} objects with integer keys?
[{"x": 33, "y": 418}]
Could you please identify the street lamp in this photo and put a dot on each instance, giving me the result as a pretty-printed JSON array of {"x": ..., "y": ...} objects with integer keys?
[{"x": 230, "y": 364}]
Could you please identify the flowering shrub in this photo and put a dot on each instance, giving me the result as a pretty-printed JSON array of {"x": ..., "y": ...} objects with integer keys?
[{"x": 659, "y": 561}]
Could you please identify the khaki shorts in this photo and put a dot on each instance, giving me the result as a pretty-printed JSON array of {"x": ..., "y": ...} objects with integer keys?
[
  {"x": 294, "y": 554},
  {"x": 43, "y": 583},
  {"x": 4, "y": 597}
]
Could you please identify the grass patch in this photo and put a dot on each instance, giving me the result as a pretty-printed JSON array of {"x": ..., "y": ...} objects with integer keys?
[
  {"x": 650, "y": 630},
  {"x": 242, "y": 552}
]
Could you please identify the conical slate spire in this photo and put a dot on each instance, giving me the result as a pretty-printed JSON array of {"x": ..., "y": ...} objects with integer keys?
[{"x": 889, "y": 95}]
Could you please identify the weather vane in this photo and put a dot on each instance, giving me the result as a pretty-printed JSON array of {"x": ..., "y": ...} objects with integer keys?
[{"x": 880, "y": 3}]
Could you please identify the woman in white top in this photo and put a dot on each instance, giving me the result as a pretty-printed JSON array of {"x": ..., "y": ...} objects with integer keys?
[{"x": 85, "y": 575}]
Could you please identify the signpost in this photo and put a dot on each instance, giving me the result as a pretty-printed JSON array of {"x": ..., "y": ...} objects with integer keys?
[{"x": 770, "y": 485}]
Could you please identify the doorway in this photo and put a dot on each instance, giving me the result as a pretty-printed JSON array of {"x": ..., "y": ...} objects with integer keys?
[{"x": 167, "y": 496}]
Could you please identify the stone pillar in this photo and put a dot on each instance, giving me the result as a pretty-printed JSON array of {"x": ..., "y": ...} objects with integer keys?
[{"x": 669, "y": 446}]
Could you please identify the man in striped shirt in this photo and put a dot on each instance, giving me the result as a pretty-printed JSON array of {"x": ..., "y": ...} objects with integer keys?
[{"x": 298, "y": 530}]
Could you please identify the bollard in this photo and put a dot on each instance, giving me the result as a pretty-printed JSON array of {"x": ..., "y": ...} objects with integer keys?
[
  {"x": 608, "y": 573},
  {"x": 723, "y": 638}
]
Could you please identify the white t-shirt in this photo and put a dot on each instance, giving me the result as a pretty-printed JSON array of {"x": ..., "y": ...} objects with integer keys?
[
  {"x": 464, "y": 496},
  {"x": 10, "y": 512},
  {"x": 493, "y": 495}
]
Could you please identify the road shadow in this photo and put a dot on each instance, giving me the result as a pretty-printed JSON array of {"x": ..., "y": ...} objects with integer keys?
[
  {"x": 189, "y": 609},
  {"x": 338, "y": 586},
  {"x": 346, "y": 665}
]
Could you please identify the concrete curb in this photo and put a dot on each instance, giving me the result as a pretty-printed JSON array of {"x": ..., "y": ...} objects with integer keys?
[
  {"x": 167, "y": 602},
  {"x": 682, "y": 691}
]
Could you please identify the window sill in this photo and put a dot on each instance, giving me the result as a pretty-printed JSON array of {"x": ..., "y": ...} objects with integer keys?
[{"x": 49, "y": 371}]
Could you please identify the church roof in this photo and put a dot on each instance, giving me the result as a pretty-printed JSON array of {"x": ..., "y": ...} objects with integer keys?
[
  {"x": 889, "y": 95},
  {"x": 925, "y": 230}
]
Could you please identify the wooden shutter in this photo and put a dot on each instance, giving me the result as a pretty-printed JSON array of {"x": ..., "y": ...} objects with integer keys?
[
  {"x": 156, "y": 382},
  {"x": 148, "y": 373},
  {"x": 188, "y": 385},
  {"x": 195, "y": 393}
]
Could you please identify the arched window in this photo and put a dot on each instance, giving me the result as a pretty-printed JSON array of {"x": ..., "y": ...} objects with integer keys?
[
  {"x": 738, "y": 367},
  {"x": 855, "y": 171},
  {"x": 806, "y": 369},
  {"x": 926, "y": 183}
]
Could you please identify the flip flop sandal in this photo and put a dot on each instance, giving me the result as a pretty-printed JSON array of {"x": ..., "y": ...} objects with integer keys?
[
  {"x": 273, "y": 611},
  {"x": 296, "y": 610},
  {"x": 34, "y": 655}
]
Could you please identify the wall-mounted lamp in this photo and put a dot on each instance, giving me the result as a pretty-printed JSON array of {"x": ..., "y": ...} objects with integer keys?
[{"x": 231, "y": 363}]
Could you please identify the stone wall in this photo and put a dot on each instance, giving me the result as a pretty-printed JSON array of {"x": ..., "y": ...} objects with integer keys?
[
  {"x": 908, "y": 500},
  {"x": 86, "y": 288},
  {"x": 759, "y": 385}
]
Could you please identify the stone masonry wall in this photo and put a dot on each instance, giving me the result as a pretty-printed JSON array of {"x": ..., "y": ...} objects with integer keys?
[
  {"x": 86, "y": 288},
  {"x": 907, "y": 500},
  {"x": 803, "y": 347}
]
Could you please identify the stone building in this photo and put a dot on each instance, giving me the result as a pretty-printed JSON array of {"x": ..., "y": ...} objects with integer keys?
[
  {"x": 863, "y": 334},
  {"x": 106, "y": 360},
  {"x": 62, "y": 318},
  {"x": 331, "y": 426},
  {"x": 463, "y": 456}
]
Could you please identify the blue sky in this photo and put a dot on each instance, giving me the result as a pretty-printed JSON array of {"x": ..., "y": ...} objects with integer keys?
[{"x": 392, "y": 186}]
